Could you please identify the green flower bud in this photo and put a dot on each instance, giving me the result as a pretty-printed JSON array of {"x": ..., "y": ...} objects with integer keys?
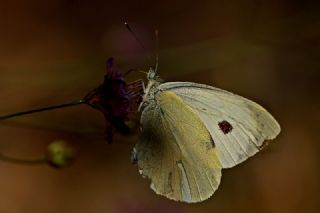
[{"x": 60, "y": 154}]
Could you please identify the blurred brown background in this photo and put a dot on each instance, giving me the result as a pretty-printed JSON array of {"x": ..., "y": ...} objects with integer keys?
[{"x": 55, "y": 51}]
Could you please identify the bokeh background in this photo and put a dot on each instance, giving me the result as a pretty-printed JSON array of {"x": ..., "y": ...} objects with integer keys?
[{"x": 54, "y": 51}]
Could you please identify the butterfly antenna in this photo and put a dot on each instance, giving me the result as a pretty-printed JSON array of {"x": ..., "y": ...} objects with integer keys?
[
  {"x": 134, "y": 70},
  {"x": 157, "y": 51},
  {"x": 136, "y": 38}
]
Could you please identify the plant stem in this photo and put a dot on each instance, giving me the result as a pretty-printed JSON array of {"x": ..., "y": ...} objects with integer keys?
[
  {"x": 74, "y": 103},
  {"x": 22, "y": 161}
]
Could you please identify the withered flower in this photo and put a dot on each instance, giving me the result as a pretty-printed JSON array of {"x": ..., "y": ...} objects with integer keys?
[{"x": 115, "y": 99}]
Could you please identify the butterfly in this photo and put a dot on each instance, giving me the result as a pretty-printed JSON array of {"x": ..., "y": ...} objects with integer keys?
[{"x": 191, "y": 131}]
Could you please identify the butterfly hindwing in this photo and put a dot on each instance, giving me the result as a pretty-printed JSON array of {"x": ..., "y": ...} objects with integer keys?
[
  {"x": 177, "y": 151},
  {"x": 238, "y": 126}
]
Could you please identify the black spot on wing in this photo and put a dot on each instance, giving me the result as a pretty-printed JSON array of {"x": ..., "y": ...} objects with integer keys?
[
  {"x": 263, "y": 145},
  {"x": 170, "y": 182},
  {"x": 210, "y": 144},
  {"x": 178, "y": 162},
  {"x": 225, "y": 126},
  {"x": 161, "y": 111}
]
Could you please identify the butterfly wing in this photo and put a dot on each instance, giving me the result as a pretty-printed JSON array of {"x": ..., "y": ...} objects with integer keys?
[
  {"x": 176, "y": 151},
  {"x": 237, "y": 125}
]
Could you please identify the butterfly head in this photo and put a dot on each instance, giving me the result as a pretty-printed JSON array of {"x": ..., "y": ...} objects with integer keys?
[{"x": 152, "y": 74}]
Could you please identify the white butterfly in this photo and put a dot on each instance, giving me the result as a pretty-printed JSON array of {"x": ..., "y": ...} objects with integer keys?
[{"x": 191, "y": 131}]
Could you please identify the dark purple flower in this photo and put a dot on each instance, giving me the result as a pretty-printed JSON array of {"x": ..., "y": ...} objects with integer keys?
[{"x": 115, "y": 99}]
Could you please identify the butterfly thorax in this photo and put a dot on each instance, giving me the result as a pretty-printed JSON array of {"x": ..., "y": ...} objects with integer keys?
[{"x": 150, "y": 92}]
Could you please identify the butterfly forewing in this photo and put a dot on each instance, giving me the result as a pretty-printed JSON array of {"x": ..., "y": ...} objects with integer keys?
[
  {"x": 237, "y": 125},
  {"x": 177, "y": 151}
]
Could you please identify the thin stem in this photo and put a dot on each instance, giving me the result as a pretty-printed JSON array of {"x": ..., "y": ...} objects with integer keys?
[
  {"x": 74, "y": 103},
  {"x": 22, "y": 161},
  {"x": 53, "y": 127}
]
